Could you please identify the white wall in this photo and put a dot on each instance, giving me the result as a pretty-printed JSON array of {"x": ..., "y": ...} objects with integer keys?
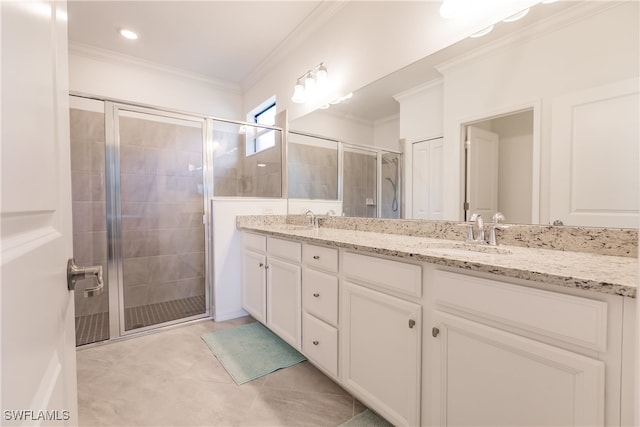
[
  {"x": 335, "y": 126},
  {"x": 515, "y": 166},
  {"x": 591, "y": 52},
  {"x": 227, "y": 250},
  {"x": 115, "y": 76},
  {"x": 386, "y": 133},
  {"x": 364, "y": 41}
]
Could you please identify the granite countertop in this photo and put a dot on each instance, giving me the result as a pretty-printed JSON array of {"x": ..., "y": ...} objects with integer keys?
[{"x": 601, "y": 273}]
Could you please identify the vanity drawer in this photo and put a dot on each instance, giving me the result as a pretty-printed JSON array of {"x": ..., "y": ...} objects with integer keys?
[
  {"x": 254, "y": 241},
  {"x": 320, "y": 343},
  {"x": 320, "y": 295},
  {"x": 284, "y": 249},
  {"x": 320, "y": 257},
  {"x": 398, "y": 276},
  {"x": 568, "y": 318}
]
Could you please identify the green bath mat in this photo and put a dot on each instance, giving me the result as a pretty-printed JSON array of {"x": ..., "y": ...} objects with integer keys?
[
  {"x": 366, "y": 419},
  {"x": 250, "y": 351}
]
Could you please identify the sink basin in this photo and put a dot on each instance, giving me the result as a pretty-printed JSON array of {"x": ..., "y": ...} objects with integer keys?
[{"x": 452, "y": 248}]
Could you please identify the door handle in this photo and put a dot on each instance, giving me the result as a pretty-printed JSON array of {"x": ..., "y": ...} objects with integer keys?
[{"x": 75, "y": 273}]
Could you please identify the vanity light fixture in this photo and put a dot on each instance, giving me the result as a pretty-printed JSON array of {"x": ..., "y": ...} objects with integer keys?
[
  {"x": 309, "y": 84},
  {"x": 128, "y": 34},
  {"x": 482, "y": 32},
  {"x": 517, "y": 16}
]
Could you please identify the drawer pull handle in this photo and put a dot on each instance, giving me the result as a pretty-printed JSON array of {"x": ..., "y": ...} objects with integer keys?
[
  {"x": 435, "y": 331},
  {"x": 316, "y": 257},
  {"x": 316, "y": 342},
  {"x": 316, "y": 295},
  {"x": 412, "y": 323}
]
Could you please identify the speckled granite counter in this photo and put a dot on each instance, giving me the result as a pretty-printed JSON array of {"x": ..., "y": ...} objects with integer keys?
[{"x": 601, "y": 273}]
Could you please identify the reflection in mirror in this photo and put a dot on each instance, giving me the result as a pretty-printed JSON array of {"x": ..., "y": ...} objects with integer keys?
[
  {"x": 360, "y": 178},
  {"x": 575, "y": 64},
  {"x": 313, "y": 167},
  {"x": 247, "y": 160},
  {"x": 499, "y": 167},
  {"x": 391, "y": 185}
]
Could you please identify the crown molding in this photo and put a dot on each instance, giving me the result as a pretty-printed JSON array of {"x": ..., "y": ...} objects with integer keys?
[
  {"x": 345, "y": 116},
  {"x": 314, "y": 21},
  {"x": 417, "y": 89},
  {"x": 384, "y": 120},
  {"x": 110, "y": 56},
  {"x": 566, "y": 17}
]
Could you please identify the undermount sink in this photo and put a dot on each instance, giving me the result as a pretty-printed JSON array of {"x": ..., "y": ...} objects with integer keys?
[{"x": 453, "y": 248}]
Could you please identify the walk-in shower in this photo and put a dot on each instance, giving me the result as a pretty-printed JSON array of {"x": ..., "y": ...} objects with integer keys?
[{"x": 139, "y": 191}]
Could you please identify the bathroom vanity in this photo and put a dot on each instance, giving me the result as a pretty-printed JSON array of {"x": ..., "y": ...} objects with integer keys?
[{"x": 433, "y": 331}]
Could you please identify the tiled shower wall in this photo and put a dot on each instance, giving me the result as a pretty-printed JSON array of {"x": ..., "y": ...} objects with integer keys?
[
  {"x": 235, "y": 174},
  {"x": 89, "y": 209},
  {"x": 359, "y": 184},
  {"x": 313, "y": 172},
  {"x": 161, "y": 187}
]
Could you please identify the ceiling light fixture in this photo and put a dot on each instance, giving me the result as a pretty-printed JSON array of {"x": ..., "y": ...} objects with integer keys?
[
  {"x": 128, "y": 34},
  {"x": 310, "y": 84},
  {"x": 517, "y": 16}
]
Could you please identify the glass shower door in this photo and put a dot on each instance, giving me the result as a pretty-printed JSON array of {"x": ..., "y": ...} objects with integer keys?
[
  {"x": 160, "y": 229},
  {"x": 87, "y": 124}
]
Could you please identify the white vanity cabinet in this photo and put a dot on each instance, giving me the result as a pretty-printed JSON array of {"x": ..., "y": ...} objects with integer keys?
[
  {"x": 503, "y": 354},
  {"x": 381, "y": 335},
  {"x": 271, "y": 290},
  {"x": 320, "y": 306}
]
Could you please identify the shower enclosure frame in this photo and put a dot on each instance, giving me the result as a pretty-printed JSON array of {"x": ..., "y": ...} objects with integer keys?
[
  {"x": 341, "y": 145},
  {"x": 115, "y": 286},
  {"x": 117, "y": 327}
]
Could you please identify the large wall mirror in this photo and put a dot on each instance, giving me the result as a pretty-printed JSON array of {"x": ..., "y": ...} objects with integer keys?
[{"x": 538, "y": 119}]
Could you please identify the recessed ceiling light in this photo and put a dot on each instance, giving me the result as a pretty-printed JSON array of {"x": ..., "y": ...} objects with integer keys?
[
  {"x": 482, "y": 32},
  {"x": 517, "y": 16},
  {"x": 128, "y": 34}
]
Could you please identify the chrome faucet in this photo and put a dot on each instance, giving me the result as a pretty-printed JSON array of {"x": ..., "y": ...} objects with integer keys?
[
  {"x": 313, "y": 221},
  {"x": 476, "y": 222},
  {"x": 497, "y": 219}
]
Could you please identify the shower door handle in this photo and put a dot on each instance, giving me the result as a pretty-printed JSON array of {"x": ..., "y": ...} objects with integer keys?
[{"x": 75, "y": 273}]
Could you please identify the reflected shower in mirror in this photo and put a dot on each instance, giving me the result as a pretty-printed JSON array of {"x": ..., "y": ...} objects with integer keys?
[
  {"x": 391, "y": 190},
  {"x": 313, "y": 167}
]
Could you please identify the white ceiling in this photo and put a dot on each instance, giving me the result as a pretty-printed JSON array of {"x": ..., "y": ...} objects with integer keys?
[{"x": 222, "y": 40}]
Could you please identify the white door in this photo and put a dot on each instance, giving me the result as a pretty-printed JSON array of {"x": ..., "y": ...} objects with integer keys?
[
  {"x": 595, "y": 157},
  {"x": 484, "y": 376},
  {"x": 427, "y": 179},
  {"x": 482, "y": 172},
  {"x": 380, "y": 352},
  {"x": 284, "y": 301},
  {"x": 38, "y": 334}
]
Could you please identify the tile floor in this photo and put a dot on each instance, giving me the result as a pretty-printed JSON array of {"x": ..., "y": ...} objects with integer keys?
[{"x": 171, "y": 378}]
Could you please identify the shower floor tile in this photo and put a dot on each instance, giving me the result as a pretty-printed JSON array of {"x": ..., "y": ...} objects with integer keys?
[{"x": 95, "y": 327}]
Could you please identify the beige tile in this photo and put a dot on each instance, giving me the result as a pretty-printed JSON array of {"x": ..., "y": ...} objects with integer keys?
[
  {"x": 163, "y": 268},
  {"x": 133, "y": 243},
  {"x": 303, "y": 377},
  {"x": 135, "y": 271},
  {"x": 133, "y": 215},
  {"x": 161, "y": 242},
  {"x": 191, "y": 240},
  {"x": 191, "y": 265},
  {"x": 162, "y": 215},
  {"x": 82, "y": 217},
  {"x": 132, "y": 159},
  {"x": 80, "y": 186}
]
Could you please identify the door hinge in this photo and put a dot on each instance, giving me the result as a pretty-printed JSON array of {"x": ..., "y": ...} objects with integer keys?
[{"x": 466, "y": 206}]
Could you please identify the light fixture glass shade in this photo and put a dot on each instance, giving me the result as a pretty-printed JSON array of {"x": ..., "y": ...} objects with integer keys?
[
  {"x": 482, "y": 32},
  {"x": 321, "y": 75},
  {"x": 299, "y": 95},
  {"x": 517, "y": 16}
]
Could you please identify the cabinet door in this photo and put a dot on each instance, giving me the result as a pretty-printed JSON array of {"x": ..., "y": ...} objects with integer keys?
[
  {"x": 254, "y": 284},
  {"x": 380, "y": 352},
  {"x": 284, "y": 301},
  {"x": 483, "y": 376}
]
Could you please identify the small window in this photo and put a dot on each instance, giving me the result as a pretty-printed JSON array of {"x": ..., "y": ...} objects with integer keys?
[{"x": 264, "y": 138}]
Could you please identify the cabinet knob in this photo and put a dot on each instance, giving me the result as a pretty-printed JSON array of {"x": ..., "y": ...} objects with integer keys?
[
  {"x": 435, "y": 331},
  {"x": 316, "y": 295},
  {"x": 261, "y": 264},
  {"x": 412, "y": 323},
  {"x": 316, "y": 257},
  {"x": 316, "y": 342}
]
